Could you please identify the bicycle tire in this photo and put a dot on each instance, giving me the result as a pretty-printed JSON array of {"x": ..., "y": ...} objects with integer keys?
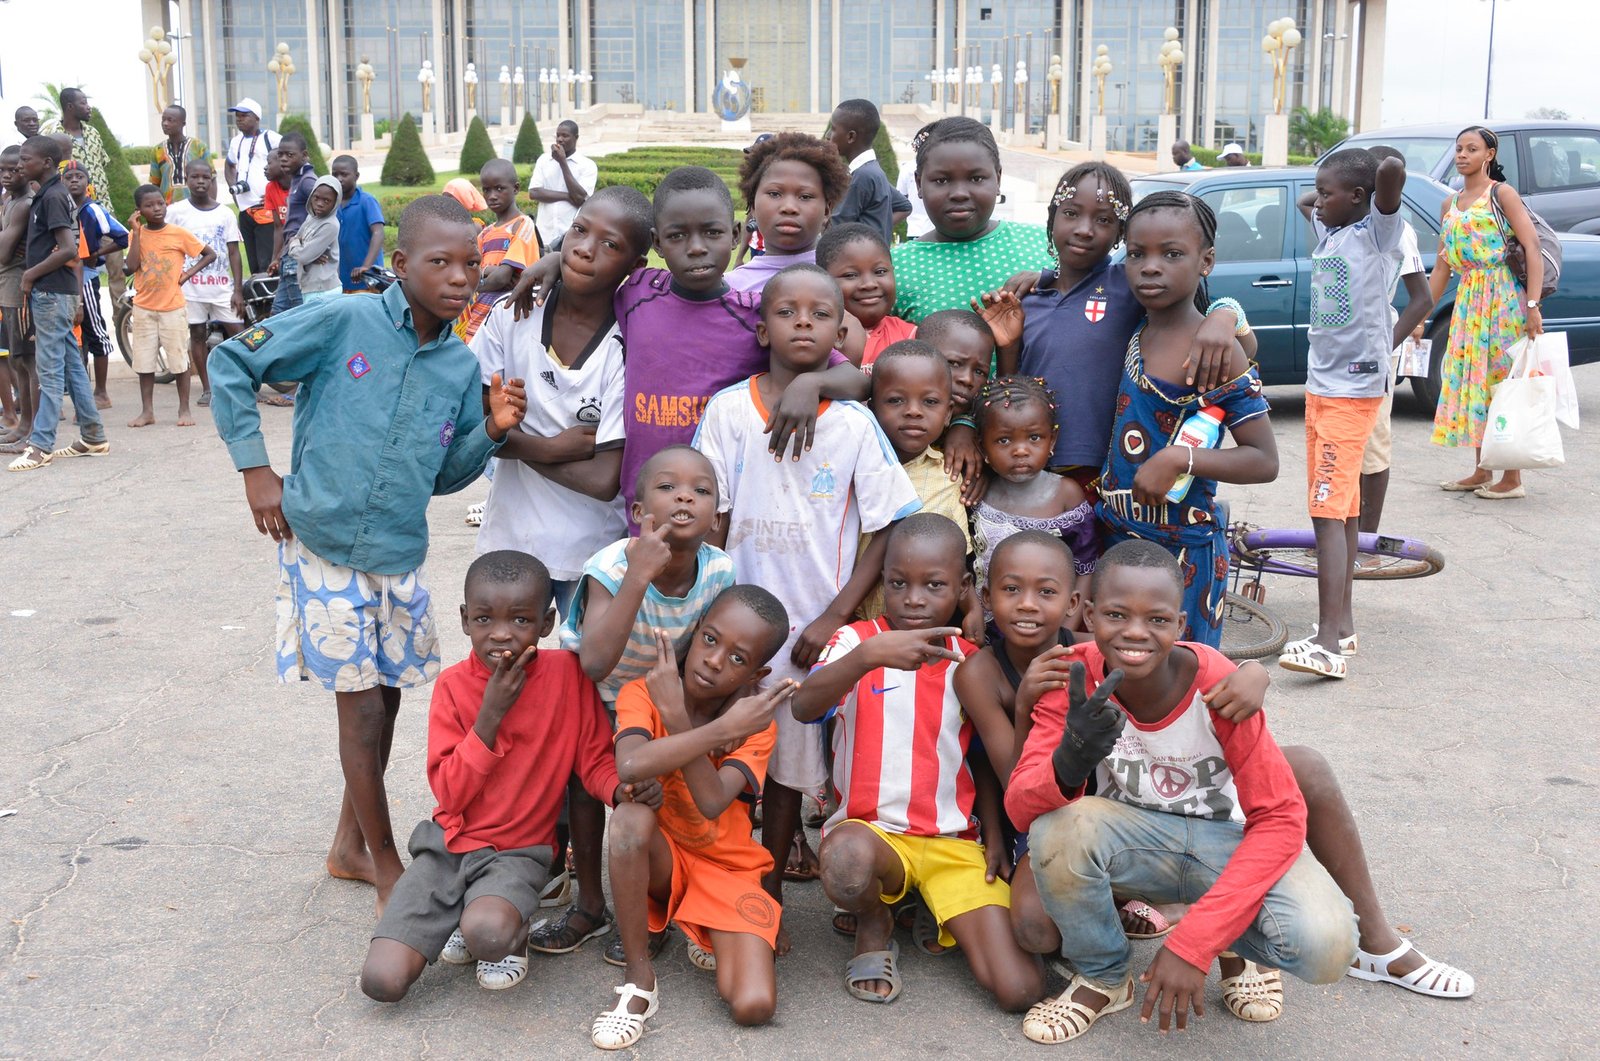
[
  {"x": 122, "y": 322},
  {"x": 1250, "y": 630},
  {"x": 1397, "y": 557}
]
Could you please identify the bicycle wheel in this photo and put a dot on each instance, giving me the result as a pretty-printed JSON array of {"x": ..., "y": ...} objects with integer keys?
[
  {"x": 1249, "y": 630},
  {"x": 1294, "y": 552}
]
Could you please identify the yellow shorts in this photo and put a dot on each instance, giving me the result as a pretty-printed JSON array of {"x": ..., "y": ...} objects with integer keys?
[
  {"x": 948, "y": 872},
  {"x": 160, "y": 331}
]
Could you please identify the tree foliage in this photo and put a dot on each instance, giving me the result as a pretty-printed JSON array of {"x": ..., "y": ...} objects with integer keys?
[
  {"x": 1313, "y": 133},
  {"x": 882, "y": 148},
  {"x": 294, "y": 123},
  {"x": 407, "y": 163},
  {"x": 477, "y": 149},
  {"x": 119, "y": 175},
  {"x": 528, "y": 147}
]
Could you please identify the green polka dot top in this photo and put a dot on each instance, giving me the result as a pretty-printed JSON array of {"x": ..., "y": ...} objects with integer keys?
[{"x": 929, "y": 277}]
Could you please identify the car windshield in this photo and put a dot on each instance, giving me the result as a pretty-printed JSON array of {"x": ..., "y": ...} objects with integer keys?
[
  {"x": 1423, "y": 153},
  {"x": 1144, "y": 188}
]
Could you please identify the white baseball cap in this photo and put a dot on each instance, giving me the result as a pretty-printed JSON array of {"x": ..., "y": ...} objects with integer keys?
[
  {"x": 246, "y": 105},
  {"x": 1227, "y": 149}
]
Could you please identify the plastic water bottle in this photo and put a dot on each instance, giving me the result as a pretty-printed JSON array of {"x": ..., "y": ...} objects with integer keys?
[{"x": 1203, "y": 430}]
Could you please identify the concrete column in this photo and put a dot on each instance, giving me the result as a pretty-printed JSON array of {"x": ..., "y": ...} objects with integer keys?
[
  {"x": 339, "y": 69},
  {"x": 563, "y": 51},
  {"x": 816, "y": 56},
  {"x": 961, "y": 63},
  {"x": 1190, "y": 71},
  {"x": 1316, "y": 44},
  {"x": 1369, "y": 72},
  {"x": 313, "y": 65},
  {"x": 583, "y": 94},
  {"x": 458, "y": 52},
  {"x": 217, "y": 124},
  {"x": 1343, "y": 50},
  {"x": 836, "y": 90},
  {"x": 1085, "y": 76},
  {"x": 713, "y": 72},
  {"x": 688, "y": 56},
  {"x": 442, "y": 81},
  {"x": 1208, "y": 135},
  {"x": 938, "y": 53}
]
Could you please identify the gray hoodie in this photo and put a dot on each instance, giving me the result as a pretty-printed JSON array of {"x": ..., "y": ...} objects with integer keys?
[{"x": 316, "y": 245}]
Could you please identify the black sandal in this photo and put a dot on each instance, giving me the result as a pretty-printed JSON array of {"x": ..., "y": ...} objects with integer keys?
[
  {"x": 613, "y": 952},
  {"x": 563, "y": 935}
]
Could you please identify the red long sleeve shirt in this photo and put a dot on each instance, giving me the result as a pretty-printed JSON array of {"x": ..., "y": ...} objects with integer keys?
[
  {"x": 1195, "y": 763},
  {"x": 511, "y": 796}
]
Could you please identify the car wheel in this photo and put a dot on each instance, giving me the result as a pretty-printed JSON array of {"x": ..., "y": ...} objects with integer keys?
[{"x": 1428, "y": 388}]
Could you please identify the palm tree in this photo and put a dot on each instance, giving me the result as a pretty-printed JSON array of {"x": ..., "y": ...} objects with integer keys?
[
  {"x": 49, "y": 101},
  {"x": 1314, "y": 133}
]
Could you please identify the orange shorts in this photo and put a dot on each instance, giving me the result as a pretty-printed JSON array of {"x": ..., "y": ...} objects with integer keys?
[
  {"x": 707, "y": 896},
  {"x": 1337, "y": 430}
]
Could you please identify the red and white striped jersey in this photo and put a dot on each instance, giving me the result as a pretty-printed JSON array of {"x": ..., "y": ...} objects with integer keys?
[{"x": 900, "y": 745}]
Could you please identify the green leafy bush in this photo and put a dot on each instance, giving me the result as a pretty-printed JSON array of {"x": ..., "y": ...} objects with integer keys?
[
  {"x": 407, "y": 164},
  {"x": 884, "y": 150},
  {"x": 477, "y": 149},
  {"x": 294, "y": 123},
  {"x": 118, "y": 198},
  {"x": 529, "y": 147},
  {"x": 643, "y": 167},
  {"x": 138, "y": 154}
]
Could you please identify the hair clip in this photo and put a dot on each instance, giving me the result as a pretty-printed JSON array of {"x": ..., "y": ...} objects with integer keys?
[
  {"x": 1070, "y": 192},
  {"x": 918, "y": 140}
]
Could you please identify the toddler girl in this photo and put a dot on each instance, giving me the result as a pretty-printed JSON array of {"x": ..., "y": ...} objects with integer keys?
[{"x": 1017, "y": 430}]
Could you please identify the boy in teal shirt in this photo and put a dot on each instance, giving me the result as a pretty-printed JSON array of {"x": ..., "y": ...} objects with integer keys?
[{"x": 390, "y": 413}]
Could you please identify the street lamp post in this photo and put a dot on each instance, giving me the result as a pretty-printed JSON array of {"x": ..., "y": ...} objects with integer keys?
[
  {"x": 1488, "y": 65},
  {"x": 1281, "y": 39}
]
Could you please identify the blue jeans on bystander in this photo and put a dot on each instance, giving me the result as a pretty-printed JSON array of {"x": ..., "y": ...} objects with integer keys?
[{"x": 60, "y": 366}]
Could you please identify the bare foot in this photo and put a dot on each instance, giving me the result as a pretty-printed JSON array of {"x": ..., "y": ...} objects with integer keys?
[
  {"x": 102, "y": 401},
  {"x": 782, "y": 945},
  {"x": 142, "y": 420},
  {"x": 185, "y": 418},
  {"x": 355, "y": 866}
]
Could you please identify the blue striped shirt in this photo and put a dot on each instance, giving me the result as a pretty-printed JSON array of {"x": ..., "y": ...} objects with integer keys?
[{"x": 676, "y": 616}]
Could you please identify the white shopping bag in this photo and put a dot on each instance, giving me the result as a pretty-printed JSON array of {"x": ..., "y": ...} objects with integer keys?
[
  {"x": 1521, "y": 431},
  {"x": 1550, "y": 358}
]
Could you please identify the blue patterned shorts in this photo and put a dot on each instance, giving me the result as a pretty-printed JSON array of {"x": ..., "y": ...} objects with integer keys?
[{"x": 349, "y": 630}]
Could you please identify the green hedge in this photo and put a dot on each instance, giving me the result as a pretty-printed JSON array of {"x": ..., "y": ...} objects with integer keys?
[
  {"x": 138, "y": 154},
  {"x": 119, "y": 197},
  {"x": 1210, "y": 158},
  {"x": 883, "y": 150},
  {"x": 643, "y": 167}
]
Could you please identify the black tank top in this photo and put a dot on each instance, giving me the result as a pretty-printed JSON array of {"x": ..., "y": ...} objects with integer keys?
[{"x": 1012, "y": 676}]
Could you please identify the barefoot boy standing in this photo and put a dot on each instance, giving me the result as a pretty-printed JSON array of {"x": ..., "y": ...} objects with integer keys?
[{"x": 388, "y": 416}]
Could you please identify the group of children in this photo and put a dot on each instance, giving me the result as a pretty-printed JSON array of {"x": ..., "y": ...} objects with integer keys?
[{"x": 799, "y": 544}]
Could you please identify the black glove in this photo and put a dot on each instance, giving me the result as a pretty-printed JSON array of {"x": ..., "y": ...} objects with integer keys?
[{"x": 1093, "y": 725}]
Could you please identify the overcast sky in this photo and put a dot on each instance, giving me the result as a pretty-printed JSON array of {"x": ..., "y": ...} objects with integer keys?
[{"x": 1544, "y": 56}]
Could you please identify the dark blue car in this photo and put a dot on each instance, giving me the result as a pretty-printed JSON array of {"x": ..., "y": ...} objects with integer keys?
[{"x": 1264, "y": 260}]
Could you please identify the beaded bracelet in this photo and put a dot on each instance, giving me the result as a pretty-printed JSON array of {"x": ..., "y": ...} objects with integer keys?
[
  {"x": 964, "y": 421},
  {"x": 1243, "y": 327}
]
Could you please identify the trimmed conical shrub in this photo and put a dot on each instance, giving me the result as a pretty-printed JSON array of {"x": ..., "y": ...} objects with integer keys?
[
  {"x": 477, "y": 149},
  {"x": 407, "y": 164},
  {"x": 118, "y": 197},
  {"x": 882, "y": 148},
  {"x": 528, "y": 147},
  {"x": 294, "y": 123}
]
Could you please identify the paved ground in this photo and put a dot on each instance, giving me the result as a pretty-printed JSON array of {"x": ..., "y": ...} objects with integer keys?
[{"x": 162, "y": 876}]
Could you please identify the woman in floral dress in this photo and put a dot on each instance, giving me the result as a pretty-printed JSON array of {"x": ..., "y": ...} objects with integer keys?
[{"x": 1491, "y": 310}]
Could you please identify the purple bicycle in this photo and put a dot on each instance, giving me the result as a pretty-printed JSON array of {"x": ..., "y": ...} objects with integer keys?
[{"x": 1250, "y": 630}]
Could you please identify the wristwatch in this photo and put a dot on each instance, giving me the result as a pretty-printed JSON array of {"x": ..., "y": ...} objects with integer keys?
[{"x": 1533, "y": 303}]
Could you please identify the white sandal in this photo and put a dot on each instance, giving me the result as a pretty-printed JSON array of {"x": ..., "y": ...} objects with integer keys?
[
  {"x": 1432, "y": 978},
  {"x": 558, "y": 892},
  {"x": 617, "y": 1029},
  {"x": 1255, "y": 995},
  {"x": 1347, "y": 645},
  {"x": 32, "y": 457},
  {"x": 506, "y": 973},
  {"x": 455, "y": 950},
  {"x": 475, "y": 515},
  {"x": 1060, "y": 1019},
  {"x": 1313, "y": 659},
  {"x": 701, "y": 958}
]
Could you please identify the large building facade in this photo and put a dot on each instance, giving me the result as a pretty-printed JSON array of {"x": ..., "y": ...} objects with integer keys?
[{"x": 802, "y": 56}]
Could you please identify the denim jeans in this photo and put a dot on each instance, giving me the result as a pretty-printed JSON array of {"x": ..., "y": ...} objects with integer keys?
[
  {"x": 1087, "y": 850},
  {"x": 288, "y": 294},
  {"x": 60, "y": 367}
]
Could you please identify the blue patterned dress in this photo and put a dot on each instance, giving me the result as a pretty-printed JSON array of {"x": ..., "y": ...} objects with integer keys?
[{"x": 1149, "y": 413}]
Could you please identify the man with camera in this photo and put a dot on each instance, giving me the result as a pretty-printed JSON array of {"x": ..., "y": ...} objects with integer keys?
[{"x": 246, "y": 170}]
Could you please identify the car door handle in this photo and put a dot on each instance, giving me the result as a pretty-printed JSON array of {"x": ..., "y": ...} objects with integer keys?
[{"x": 1272, "y": 281}]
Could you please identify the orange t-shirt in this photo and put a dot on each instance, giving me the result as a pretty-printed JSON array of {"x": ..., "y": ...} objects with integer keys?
[
  {"x": 727, "y": 840},
  {"x": 162, "y": 252},
  {"x": 511, "y": 243}
]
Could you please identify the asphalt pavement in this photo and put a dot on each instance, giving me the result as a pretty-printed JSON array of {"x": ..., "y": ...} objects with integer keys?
[{"x": 163, "y": 880}]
